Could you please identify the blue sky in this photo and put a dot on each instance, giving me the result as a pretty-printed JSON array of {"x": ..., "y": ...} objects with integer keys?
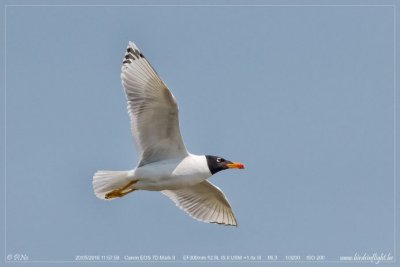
[{"x": 303, "y": 95}]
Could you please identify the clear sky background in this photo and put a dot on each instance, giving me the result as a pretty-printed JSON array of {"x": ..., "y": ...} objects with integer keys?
[{"x": 304, "y": 96}]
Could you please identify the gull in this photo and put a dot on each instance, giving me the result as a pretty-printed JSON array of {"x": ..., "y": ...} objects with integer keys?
[{"x": 165, "y": 164}]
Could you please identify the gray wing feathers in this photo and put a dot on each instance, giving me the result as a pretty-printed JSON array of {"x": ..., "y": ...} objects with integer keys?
[
  {"x": 204, "y": 202},
  {"x": 152, "y": 108}
]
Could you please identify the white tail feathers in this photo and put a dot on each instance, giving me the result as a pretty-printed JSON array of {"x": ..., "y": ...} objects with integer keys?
[{"x": 106, "y": 181}]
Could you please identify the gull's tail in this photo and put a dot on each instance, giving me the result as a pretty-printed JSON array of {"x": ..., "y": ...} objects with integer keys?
[{"x": 112, "y": 184}]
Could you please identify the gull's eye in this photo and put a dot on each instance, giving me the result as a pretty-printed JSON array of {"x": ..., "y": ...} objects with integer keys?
[{"x": 219, "y": 159}]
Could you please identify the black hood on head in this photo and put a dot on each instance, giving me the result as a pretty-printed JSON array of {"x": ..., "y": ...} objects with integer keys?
[{"x": 216, "y": 164}]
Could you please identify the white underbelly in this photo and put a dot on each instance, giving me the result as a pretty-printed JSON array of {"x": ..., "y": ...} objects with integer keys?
[
  {"x": 170, "y": 175},
  {"x": 167, "y": 183}
]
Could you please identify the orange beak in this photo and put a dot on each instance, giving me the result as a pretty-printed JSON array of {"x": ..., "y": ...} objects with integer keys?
[{"x": 235, "y": 165}]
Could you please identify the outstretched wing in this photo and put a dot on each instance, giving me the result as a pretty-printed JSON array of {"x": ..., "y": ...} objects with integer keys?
[
  {"x": 204, "y": 202},
  {"x": 152, "y": 108}
]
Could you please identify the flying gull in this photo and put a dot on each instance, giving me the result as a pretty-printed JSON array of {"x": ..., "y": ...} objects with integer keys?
[{"x": 165, "y": 164}]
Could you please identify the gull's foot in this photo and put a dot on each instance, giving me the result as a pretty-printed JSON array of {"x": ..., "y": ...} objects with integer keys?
[
  {"x": 114, "y": 194},
  {"x": 120, "y": 192}
]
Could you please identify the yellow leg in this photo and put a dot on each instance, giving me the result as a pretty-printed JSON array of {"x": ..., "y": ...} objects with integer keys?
[{"x": 122, "y": 191}]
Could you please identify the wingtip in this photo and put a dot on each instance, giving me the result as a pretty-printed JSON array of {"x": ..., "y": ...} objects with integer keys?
[
  {"x": 132, "y": 53},
  {"x": 224, "y": 223},
  {"x": 133, "y": 45}
]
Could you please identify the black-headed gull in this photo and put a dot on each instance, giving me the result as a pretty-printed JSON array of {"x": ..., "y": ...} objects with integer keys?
[{"x": 165, "y": 165}]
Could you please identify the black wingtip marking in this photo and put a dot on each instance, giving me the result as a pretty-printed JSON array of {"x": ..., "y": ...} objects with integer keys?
[
  {"x": 224, "y": 224},
  {"x": 129, "y": 56},
  {"x": 132, "y": 54}
]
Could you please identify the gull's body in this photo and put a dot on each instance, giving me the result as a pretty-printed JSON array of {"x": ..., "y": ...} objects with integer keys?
[
  {"x": 170, "y": 174},
  {"x": 165, "y": 164}
]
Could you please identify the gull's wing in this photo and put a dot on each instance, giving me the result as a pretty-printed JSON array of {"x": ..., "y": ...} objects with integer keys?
[
  {"x": 204, "y": 202},
  {"x": 152, "y": 108}
]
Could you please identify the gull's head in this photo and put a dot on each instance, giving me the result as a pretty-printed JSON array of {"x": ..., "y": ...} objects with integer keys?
[{"x": 216, "y": 164}]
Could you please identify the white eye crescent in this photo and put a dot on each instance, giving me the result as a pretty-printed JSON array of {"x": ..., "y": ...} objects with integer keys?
[{"x": 219, "y": 159}]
